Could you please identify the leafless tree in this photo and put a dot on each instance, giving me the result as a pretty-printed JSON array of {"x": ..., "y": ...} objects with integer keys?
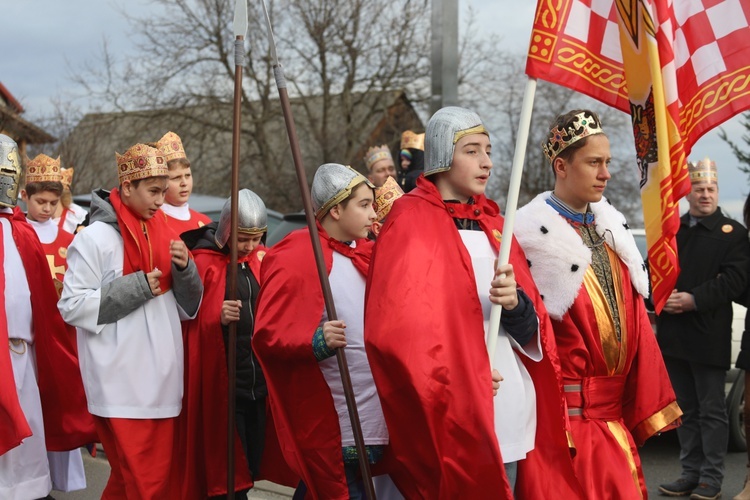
[{"x": 342, "y": 59}]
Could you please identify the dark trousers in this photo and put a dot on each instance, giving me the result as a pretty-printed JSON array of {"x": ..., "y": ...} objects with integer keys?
[
  {"x": 704, "y": 432},
  {"x": 250, "y": 419},
  {"x": 251, "y": 426}
]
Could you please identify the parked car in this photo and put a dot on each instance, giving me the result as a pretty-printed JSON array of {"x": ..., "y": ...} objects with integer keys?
[
  {"x": 735, "y": 381},
  {"x": 288, "y": 223},
  {"x": 203, "y": 203}
]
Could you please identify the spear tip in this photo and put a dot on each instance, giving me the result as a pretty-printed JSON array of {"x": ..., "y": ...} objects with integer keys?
[
  {"x": 240, "y": 18},
  {"x": 271, "y": 41}
]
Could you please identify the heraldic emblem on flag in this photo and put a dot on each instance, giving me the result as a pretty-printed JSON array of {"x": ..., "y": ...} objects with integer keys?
[{"x": 679, "y": 67}]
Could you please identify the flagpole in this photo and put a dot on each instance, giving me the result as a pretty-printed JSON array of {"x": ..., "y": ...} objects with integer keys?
[
  {"x": 346, "y": 381},
  {"x": 511, "y": 204},
  {"x": 240, "y": 29}
]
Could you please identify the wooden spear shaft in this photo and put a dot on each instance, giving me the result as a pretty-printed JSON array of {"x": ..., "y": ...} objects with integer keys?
[
  {"x": 325, "y": 285},
  {"x": 346, "y": 380},
  {"x": 240, "y": 28}
]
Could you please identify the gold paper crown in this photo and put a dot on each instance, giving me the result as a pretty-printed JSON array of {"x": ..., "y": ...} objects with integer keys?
[
  {"x": 140, "y": 162},
  {"x": 43, "y": 169},
  {"x": 703, "y": 171},
  {"x": 66, "y": 175},
  {"x": 377, "y": 153},
  {"x": 410, "y": 140},
  {"x": 584, "y": 124},
  {"x": 170, "y": 146},
  {"x": 385, "y": 195}
]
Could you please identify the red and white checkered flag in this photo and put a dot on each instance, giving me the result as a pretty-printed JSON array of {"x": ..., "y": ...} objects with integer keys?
[{"x": 679, "y": 68}]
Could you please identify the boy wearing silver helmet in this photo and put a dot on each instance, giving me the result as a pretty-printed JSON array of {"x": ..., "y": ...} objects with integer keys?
[
  {"x": 39, "y": 371},
  {"x": 429, "y": 295},
  {"x": 204, "y": 462},
  {"x": 296, "y": 342}
]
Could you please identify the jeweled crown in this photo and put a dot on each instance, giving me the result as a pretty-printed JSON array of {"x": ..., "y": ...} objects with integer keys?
[
  {"x": 385, "y": 195},
  {"x": 410, "y": 140},
  {"x": 703, "y": 171},
  {"x": 140, "y": 162},
  {"x": 584, "y": 124},
  {"x": 66, "y": 176},
  {"x": 43, "y": 169},
  {"x": 377, "y": 153},
  {"x": 170, "y": 146}
]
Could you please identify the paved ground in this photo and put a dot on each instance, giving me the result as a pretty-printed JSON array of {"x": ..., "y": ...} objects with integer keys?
[{"x": 660, "y": 459}]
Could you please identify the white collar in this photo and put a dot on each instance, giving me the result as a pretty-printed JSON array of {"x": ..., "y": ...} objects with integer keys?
[{"x": 179, "y": 213}]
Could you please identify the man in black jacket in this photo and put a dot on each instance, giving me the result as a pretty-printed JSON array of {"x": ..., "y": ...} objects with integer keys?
[{"x": 695, "y": 331}]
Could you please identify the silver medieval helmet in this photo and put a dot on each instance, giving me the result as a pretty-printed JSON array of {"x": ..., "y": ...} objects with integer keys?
[
  {"x": 10, "y": 172},
  {"x": 444, "y": 130},
  {"x": 332, "y": 184},
  {"x": 252, "y": 217}
]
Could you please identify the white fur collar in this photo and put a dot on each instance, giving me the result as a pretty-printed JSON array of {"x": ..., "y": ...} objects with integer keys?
[{"x": 558, "y": 257}]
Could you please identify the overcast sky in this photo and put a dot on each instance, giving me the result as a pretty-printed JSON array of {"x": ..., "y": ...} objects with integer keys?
[{"x": 43, "y": 39}]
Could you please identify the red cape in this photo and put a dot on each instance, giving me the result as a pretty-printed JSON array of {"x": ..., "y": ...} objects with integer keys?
[
  {"x": 289, "y": 310},
  {"x": 425, "y": 339},
  {"x": 203, "y": 465},
  {"x": 67, "y": 423},
  {"x": 203, "y": 446}
]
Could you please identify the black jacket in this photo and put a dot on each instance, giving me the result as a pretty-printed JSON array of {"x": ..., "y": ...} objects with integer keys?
[
  {"x": 714, "y": 260},
  {"x": 251, "y": 384}
]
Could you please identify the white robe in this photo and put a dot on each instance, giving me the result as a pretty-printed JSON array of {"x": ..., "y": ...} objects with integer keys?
[
  {"x": 24, "y": 470},
  {"x": 132, "y": 368},
  {"x": 348, "y": 291},
  {"x": 515, "y": 402}
]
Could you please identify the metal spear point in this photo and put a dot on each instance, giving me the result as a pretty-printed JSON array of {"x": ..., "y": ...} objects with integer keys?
[
  {"x": 319, "y": 261},
  {"x": 240, "y": 29}
]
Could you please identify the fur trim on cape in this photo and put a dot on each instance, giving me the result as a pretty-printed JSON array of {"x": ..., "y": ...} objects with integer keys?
[{"x": 558, "y": 258}]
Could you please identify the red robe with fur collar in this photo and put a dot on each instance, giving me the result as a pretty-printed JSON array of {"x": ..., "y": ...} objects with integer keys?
[{"x": 624, "y": 392}]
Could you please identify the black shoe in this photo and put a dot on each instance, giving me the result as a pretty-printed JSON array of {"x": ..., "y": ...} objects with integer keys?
[
  {"x": 706, "y": 492},
  {"x": 680, "y": 488}
]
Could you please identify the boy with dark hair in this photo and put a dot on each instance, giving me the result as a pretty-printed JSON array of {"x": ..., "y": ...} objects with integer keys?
[
  {"x": 429, "y": 296},
  {"x": 42, "y": 196},
  {"x": 130, "y": 281},
  {"x": 293, "y": 329},
  {"x": 42, "y": 402},
  {"x": 179, "y": 215}
]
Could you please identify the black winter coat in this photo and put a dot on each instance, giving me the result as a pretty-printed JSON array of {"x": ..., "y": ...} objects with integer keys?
[{"x": 714, "y": 261}]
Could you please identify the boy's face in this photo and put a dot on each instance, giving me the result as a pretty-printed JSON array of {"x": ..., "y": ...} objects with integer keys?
[
  {"x": 582, "y": 178},
  {"x": 470, "y": 169},
  {"x": 147, "y": 197},
  {"x": 246, "y": 243},
  {"x": 355, "y": 218},
  {"x": 40, "y": 206},
  {"x": 180, "y": 185}
]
